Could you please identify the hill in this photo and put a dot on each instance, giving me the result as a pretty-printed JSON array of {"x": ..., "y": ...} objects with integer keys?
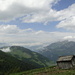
[
  {"x": 27, "y": 56},
  {"x": 54, "y": 50},
  {"x": 9, "y": 64}
]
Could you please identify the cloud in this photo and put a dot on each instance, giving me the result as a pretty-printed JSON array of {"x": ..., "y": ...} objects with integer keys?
[
  {"x": 39, "y": 32},
  {"x": 6, "y": 49},
  {"x": 67, "y": 18},
  {"x": 13, "y": 29},
  {"x": 10, "y": 29},
  {"x": 29, "y": 10},
  {"x": 68, "y": 24},
  {"x": 70, "y": 38},
  {"x": 13, "y": 35},
  {"x": 43, "y": 17}
]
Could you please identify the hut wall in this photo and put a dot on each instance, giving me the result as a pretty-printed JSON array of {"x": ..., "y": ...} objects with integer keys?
[
  {"x": 73, "y": 61},
  {"x": 64, "y": 65}
]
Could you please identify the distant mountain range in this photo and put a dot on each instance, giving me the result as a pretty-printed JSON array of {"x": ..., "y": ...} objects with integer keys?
[
  {"x": 17, "y": 58},
  {"x": 54, "y": 50}
]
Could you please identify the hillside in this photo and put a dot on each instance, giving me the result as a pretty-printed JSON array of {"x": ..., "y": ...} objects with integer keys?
[
  {"x": 47, "y": 71},
  {"x": 54, "y": 50},
  {"x": 9, "y": 64},
  {"x": 28, "y": 56}
]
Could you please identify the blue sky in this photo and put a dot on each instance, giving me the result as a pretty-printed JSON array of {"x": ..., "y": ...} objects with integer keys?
[
  {"x": 62, "y": 4},
  {"x": 36, "y": 23}
]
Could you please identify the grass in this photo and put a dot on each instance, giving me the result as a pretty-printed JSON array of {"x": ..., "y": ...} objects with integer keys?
[{"x": 48, "y": 71}]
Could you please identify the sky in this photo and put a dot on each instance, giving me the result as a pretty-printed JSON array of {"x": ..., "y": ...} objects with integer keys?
[{"x": 36, "y": 22}]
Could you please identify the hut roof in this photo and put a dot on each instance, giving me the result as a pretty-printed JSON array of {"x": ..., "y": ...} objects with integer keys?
[{"x": 65, "y": 58}]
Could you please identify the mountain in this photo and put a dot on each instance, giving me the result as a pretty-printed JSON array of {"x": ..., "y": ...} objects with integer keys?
[
  {"x": 54, "y": 50},
  {"x": 27, "y": 56},
  {"x": 9, "y": 64}
]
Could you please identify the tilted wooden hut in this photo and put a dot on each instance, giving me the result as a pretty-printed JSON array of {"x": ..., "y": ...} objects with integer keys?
[{"x": 66, "y": 62}]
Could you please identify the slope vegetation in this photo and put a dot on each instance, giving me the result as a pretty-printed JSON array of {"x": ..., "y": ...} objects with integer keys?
[
  {"x": 9, "y": 64},
  {"x": 29, "y": 56},
  {"x": 47, "y": 71}
]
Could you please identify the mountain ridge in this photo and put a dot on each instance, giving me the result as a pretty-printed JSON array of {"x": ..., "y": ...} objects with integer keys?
[
  {"x": 61, "y": 48},
  {"x": 27, "y": 55}
]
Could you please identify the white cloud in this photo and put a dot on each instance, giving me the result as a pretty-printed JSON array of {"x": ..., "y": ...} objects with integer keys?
[
  {"x": 6, "y": 49},
  {"x": 10, "y": 29},
  {"x": 39, "y": 32},
  {"x": 67, "y": 18},
  {"x": 70, "y": 38},
  {"x": 29, "y": 37},
  {"x": 13, "y": 29},
  {"x": 30, "y": 11},
  {"x": 68, "y": 23},
  {"x": 34, "y": 4},
  {"x": 34, "y": 8},
  {"x": 43, "y": 17},
  {"x": 4, "y": 4}
]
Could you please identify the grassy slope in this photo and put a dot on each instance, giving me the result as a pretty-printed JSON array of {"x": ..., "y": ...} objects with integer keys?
[
  {"x": 29, "y": 56},
  {"x": 47, "y": 71},
  {"x": 9, "y": 64}
]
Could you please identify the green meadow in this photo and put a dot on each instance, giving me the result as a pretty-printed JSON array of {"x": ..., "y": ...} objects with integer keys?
[{"x": 47, "y": 71}]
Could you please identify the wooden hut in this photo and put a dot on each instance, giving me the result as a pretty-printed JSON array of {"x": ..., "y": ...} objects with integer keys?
[{"x": 66, "y": 62}]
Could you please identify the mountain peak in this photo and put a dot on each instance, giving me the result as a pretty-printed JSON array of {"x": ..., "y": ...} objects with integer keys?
[{"x": 60, "y": 48}]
